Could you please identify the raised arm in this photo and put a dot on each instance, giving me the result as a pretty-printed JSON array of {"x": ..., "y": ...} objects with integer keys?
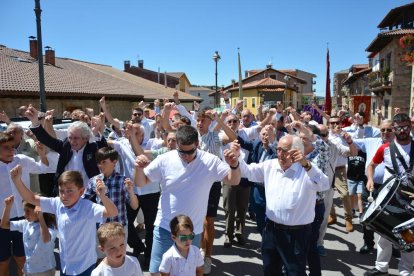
[
  {"x": 44, "y": 231},
  {"x": 140, "y": 179},
  {"x": 110, "y": 208},
  {"x": 25, "y": 193},
  {"x": 232, "y": 158},
  {"x": 108, "y": 114},
  {"x": 320, "y": 111},
  {"x": 133, "y": 199},
  {"x": 5, "y": 219},
  {"x": 166, "y": 116}
]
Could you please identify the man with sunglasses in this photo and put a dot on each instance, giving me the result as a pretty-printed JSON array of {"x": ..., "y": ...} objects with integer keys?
[
  {"x": 186, "y": 176},
  {"x": 403, "y": 142}
]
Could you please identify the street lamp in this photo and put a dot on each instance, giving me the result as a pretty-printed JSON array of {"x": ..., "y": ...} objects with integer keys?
[
  {"x": 286, "y": 78},
  {"x": 216, "y": 58}
]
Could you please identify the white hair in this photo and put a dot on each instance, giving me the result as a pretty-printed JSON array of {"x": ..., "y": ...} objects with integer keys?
[
  {"x": 297, "y": 144},
  {"x": 83, "y": 127}
]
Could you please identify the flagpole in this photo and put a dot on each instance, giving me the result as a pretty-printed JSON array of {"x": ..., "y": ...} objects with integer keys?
[
  {"x": 328, "y": 100},
  {"x": 240, "y": 76}
]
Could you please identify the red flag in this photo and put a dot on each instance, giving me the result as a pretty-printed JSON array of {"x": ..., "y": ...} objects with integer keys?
[{"x": 328, "y": 102}]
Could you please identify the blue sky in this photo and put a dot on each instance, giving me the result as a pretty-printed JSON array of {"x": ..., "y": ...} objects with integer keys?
[{"x": 183, "y": 35}]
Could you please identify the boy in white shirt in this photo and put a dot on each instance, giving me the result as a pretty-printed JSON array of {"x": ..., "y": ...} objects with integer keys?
[
  {"x": 183, "y": 258},
  {"x": 111, "y": 238}
]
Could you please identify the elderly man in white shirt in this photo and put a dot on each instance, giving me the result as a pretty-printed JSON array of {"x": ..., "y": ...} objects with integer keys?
[{"x": 291, "y": 183}]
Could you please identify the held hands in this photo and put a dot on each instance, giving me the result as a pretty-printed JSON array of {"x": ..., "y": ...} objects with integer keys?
[
  {"x": 141, "y": 162},
  {"x": 16, "y": 173},
  {"x": 347, "y": 137},
  {"x": 232, "y": 155},
  {"x": 40, "y": 149},
  {"x": 8, "y": 201},
  {"x": 196, "y": 105},
  {"x": 38, "y": 211},
  {"x": 129, "y": 185},
  {"x": 4, "y": 117},
  {"x": 100, "y": 187},
  {"x": 32, "y": 114}
]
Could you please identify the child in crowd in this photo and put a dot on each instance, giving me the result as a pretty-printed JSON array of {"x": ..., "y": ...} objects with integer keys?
[
  {"x": 182, "y": 258},
  {"x": 118, "y": 193},
  {"x": 39, "y": 234},
  {"x": 76, "y": 219},
  {"x": 111, "y": 238},
  {"x": 11, "y": 242}
]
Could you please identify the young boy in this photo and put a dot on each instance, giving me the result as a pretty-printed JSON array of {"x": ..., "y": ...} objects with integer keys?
[
  {"x": 8, "y": 160},
  {"x": 182, "y": 258},
  {"x": 76, "y": 219},
  {"x": 111, "y": 238}
]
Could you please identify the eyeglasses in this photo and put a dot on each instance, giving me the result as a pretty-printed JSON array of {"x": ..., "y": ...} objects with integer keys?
[
  {"x": 233, "y": 121},
  {"x": 323, "y": 134},
  {"x": 402, "y": 128},
  {"x": 335, "y": 123},
  {"x": 184, "y": 238},
  {"x": 386, "y": 130},
  {"x": 137, "y": 114},
  {"x": 186, "y": 152}
]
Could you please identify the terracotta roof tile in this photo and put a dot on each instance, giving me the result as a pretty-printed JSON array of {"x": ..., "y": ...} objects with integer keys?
[
  {"x": 263, "y": 83},
  {"x": 384, "y": 38},
  {"x": 19, "y": 76}
]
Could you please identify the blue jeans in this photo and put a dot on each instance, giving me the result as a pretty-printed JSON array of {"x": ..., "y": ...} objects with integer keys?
[
  {"x": 314, "y": 261},
  {"x": 259, "y": 206},
  {"x": 161, "y": 243}
]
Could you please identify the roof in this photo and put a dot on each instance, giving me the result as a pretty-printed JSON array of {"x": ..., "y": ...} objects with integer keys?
[
  {"x": 200, "y": 88},
  {"x": 384, "y": 38},
  {"x": 175, "y": 74},
  {"x": 19, "y": 77},
  {"x": 398, "y": 15},
  {"x": 266, "y": 83},
  {"x": 356, "y": 75}
]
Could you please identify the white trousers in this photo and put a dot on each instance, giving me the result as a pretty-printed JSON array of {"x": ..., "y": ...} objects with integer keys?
[
  {"x": 328, "y": 201},
  {"x": 384, "y": 253}
]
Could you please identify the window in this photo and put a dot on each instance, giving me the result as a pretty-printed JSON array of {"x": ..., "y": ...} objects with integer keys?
[
  {"x": 386, "y": 104},
  {"x": 253, "y": 102},
  {"x": 245, "y": 102},
  {"x": 198, "y": 94}
]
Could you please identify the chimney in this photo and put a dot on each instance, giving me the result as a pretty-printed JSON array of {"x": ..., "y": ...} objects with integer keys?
[
  {"x": 246, "y": 74},
  {"x": 50, "y": 55},
  {"x": 33, "y": 47},
  {"x": 141, "y": 63},
  {"x": 127, "y": 65},
  {"x": 233, "y": 83}
]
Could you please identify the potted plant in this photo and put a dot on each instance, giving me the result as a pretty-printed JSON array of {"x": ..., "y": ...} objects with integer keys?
[{"x": 406, "y": 42}]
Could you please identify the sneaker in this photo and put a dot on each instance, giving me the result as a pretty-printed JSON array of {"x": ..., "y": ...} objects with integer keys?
[
  {"x": 373, "y": 272},
  {"x": 322, "y": 251},
  {"x": 240, "y": 239},
  {"x": 207, "y": 265},
  {"x": 365, "y": 249},
  {"x": 331, "y": 220},
  {"x": 348, "y": 226},
  {"x": 203, "y": 253},
  {"x": 227, "y": 242}
]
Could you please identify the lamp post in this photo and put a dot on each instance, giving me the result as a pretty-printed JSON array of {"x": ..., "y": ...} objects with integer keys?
[
  {"x": 216, "y": 58},
  {"x": 42, "y": 95},
  {"x": 286, "y": 78}
]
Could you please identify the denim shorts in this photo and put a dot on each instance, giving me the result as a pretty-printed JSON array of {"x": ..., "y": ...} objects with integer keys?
[
  {"x": 355, "y": 187},
  {"x": 11, "y": 239},
  {"x": 213, "y": 200},
  {"x": 161, "y": 243}
]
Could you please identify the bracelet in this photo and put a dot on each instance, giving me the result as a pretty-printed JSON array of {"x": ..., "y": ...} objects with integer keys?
[
  {"x": 308, "y": 166},
  {"x": 235, "y": 168}
]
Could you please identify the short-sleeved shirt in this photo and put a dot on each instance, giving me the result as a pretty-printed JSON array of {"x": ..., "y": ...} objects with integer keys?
[
  {"x": 130, "y": 267},
  {"x": 370, "y": 146},
  {"x": 185, "y": 186},
  {"x": 176, "y": 265},
  {"x": 77, "y": 232},
  {"x": 116, "y": 192},
  {"x": 40, "y": 256}
]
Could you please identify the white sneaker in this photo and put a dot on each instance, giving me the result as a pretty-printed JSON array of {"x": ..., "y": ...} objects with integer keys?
[{"x": 207, "y": 265}]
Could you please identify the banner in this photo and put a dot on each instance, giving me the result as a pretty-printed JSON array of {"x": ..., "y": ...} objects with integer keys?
[{"x": 363, "y": 104}]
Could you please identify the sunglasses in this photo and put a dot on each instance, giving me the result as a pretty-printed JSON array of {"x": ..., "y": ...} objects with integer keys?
[
  {"x": 324, "y": 134},
  {"x": 184, "y": 238},
  {"x": 186, "y": 152},
  {"x": 137, "y": 114},
  {"x": 232, "y": 121},
  {"x": 386, "y": 130},
  {"x": 335, "y": 123},
  {"x": 402, "y": 128}
]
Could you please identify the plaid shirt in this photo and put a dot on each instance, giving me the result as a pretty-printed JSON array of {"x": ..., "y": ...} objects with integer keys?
[{"x": 115, "y": 191}]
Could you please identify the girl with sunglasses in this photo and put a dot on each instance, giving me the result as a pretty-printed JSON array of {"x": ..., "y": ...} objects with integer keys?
[{"x": 182, "y": 258}]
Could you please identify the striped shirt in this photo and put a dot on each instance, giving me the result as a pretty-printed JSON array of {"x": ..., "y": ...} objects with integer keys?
[
  {"x": 210, "y": 142},
  {"x": 115, "y": 191}
]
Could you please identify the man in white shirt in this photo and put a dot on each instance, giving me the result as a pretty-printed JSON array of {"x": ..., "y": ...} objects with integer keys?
[
  {"x": 291, "y": 183},
  {"x": 186, "y": 176}
]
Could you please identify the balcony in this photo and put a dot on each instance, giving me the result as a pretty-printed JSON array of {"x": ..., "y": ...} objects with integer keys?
[{"x": 379, "y": 82}]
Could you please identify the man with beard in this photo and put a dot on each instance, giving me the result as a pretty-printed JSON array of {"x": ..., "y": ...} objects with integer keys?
[{"x": 401, "y": 128}]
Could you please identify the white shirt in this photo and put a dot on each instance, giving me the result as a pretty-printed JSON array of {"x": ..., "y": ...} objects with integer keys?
[
  {"x": 249, "y": 134},
  {"x": 76, "y": 164},
  {"x": 148, "y": 126},
  {"x": 127, "y": 157},
  {"x": 291, "y": 194},
  {"x": 77, "y": 232},
  {"x": 337, "y": 139},
  {"x": 130, "y": 267},
  {"x": 176, "y": 265},
  {"x": 40, "y": 256},
  {"x": 337, "y": 151},
  {"x": 7, "y": 187},
  {"x": 154, "y": 143},
  {"x": 185, "y": 186}
]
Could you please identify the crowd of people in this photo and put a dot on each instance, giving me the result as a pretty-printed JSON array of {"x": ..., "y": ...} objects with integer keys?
[{"x": 275, "y": 165}]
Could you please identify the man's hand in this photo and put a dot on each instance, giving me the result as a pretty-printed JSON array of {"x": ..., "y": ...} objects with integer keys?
[
  {"x": 232, "y": 155},
  {"x": 33, "y": 115},
  {"x": 272, "y": 111},
  {"x": 38, "y": 211},
  {"x": 239, "y": 105},
  {"x": 8, "y": 201},
  {"x": 196, "y": 106},
  {"x": 347, "y": 137},
  {"x": 223, "y": 94},
  {"x": 141, "y": 161},
  {"x": 297, "y": 156},
  {"x": 370, "y": 185},
  {"x": 397, "y": 110},
  {"x": 176, "y": 99},
  {"x": 40, "y": 149},
  {"x": 4, "y": 117},
  {"x": 16, "y": 172}
]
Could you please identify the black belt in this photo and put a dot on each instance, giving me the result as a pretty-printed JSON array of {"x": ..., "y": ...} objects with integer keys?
[
  {"x": 287, "y": 227},
  {"x": 340, "y": 167},
  {"x": 319, "y": 201}
]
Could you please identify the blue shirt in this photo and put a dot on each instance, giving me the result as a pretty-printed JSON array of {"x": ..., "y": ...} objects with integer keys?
[
  {"x": 40, "y": 256},
  {"x": 77, "y": 232}
]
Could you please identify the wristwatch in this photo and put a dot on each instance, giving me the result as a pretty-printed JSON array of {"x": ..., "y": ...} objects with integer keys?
[
  {"x": 308, "y": 166},
  {"x": 235, "y": 167}
]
